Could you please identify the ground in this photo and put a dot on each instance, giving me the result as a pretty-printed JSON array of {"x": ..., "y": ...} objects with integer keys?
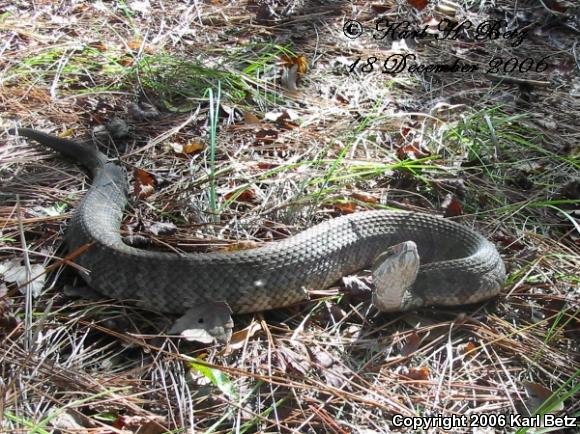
[{"x": 241, "y": 123}]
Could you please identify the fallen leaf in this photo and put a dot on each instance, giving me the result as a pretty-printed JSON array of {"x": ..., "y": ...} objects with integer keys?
[
  {"x": 537, "y": 397},
  {"x": 152, "y": 424},
  {"x": 411, "y": 345},
  {"x": 135, "y": 44},
  {"x": 144, "y": 183},
  {"x": 299, "y": 61},
  {"x": 98, "y": 45},
  {"x": 277, "y": 116},
  {"x": 341, "y": 99},
  {"x": 299, "y": 363},
  {"x": 366, "y": 198},
  {"x": 468, "y": 348},
  {"x": 251, "y": 118},
  {"x": 16, "y": 273},
  {"x": 247, "y": 195},
  {"x": 240, "y": 337},
  {"x": 411, "y": 152},
  {"x": 184, "y": 149},
  {"x": 266, "y": 136},
  {"x": 452, "y": 206},
  {"x": 126, "y": 60},
  {"x": 286, "y": 120},
  {"x": 421, "y": 373},
  {"x": 418, "y": 4},
  {"x": 267, "y": 165},
  {"x": 346, "y": 207}
]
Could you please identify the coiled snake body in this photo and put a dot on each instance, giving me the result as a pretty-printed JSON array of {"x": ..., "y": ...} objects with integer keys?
[{"x": 458, "y": 265}]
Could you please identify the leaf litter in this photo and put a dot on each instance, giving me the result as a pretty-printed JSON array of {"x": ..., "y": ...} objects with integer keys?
[{"x": 302, "y": 140}]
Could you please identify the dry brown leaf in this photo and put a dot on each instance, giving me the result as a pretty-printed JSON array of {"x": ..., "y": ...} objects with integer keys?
[
  {"x": 126, "y": 60},
  {"x": 184, "y": 149},
  {"x": 98, "y": 45},
  {"x": 452, "y": 207},
  {"x": 144, "y": 183},
  {"x": 299, "y": 61},
  {"x": 247, "y": 195},
  {"x": 537, "y": 395},
  {"x": 418, "y": 4},
  {"x": 251, "y": 118},
  {"x": 295, "y": 361},
  {"x": 285, "y": 119},
  {"x": 346, "y": 207},
  {"x": 366, "y": 198},
  {"x": 292, "y": 68},
  {"x": 412, "y": 344},
  {"x": 193, "y": 146},
  {"x": 135, "y": 44},
  {"x": 240, "y": 337},
  {"x": 142, "y": 424},
  {"x": 341, "y": 99},
  {"x": 421, "y": 373},
  {"x": 267, "y": 165},
  {"x": 469, "y": 347},
  {"x": 266, "y": 136},
  {"x": 411, "y": 152}
]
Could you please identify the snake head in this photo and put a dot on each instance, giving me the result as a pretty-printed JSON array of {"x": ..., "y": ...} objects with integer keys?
[{"x": 394, "y": 272}]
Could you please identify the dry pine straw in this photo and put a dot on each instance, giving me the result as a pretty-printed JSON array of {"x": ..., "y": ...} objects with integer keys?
[{"x": 326, "y": 365}]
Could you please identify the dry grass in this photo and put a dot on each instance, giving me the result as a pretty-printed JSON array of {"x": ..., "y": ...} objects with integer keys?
[{"x": 506, "y": 152}]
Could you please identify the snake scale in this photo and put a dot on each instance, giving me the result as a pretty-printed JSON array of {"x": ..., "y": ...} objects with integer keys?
[{"x": 458, "y": 265}]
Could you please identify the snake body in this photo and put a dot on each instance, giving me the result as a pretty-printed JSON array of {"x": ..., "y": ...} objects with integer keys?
[{"x": 458, "y": 265}]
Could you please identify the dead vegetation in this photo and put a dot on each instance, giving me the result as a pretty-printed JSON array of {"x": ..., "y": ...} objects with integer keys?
[{"x": 287, "y": 137}]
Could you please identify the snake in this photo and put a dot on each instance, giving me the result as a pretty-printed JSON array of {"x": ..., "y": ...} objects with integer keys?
[{"x": 457, "y": 264}]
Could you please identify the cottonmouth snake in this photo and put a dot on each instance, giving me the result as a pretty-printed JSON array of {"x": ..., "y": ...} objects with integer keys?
[{"x": 458, "y": 265}]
